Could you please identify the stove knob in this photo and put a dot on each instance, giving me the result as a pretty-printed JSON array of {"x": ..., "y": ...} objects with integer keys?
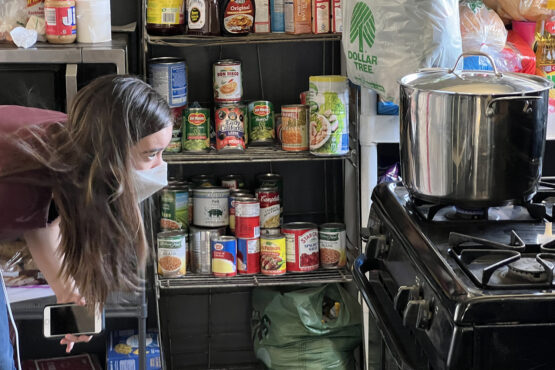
[
  {"x": 404, "y": 295},
  {"x": 418, "y": 314}
]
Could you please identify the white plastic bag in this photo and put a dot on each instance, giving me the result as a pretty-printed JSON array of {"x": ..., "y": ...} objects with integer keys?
[{"x": 384, "y": 40}]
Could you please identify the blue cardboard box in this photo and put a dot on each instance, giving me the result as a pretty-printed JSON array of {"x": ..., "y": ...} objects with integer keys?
[{"x": 123, "y": 351}]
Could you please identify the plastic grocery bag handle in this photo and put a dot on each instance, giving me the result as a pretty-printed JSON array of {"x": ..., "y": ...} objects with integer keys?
[{"x": 477, "y": 53}]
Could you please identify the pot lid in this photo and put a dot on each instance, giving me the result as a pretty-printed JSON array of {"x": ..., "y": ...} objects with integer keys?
[{"x": 451, "y": 81}]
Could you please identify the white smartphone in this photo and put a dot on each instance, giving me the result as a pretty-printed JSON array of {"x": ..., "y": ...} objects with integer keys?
[{"x": 62, "y": 319}]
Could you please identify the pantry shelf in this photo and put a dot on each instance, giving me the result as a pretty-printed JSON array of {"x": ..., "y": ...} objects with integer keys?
[
  {"x": 251, "y": 154},
  {"x": 198, "y": 281},
  {"x": 267, "y": 38}
]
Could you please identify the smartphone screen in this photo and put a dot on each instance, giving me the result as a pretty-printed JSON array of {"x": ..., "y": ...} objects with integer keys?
[{"x": 71, "y": 319}]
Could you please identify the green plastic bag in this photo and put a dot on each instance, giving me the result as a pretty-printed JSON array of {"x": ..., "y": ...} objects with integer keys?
[{"x": 290, "y": 330}]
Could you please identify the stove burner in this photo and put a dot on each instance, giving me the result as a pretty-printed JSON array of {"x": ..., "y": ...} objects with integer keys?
[
  {"x": 529, "y": 269},
  {"x": 459, "y": 213}
]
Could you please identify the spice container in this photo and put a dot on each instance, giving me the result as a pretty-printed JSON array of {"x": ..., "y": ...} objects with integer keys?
[{"x": 59, "y": 16}]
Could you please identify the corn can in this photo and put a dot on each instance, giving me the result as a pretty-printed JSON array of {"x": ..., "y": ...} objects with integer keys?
[{"x": 224, "y": 256}]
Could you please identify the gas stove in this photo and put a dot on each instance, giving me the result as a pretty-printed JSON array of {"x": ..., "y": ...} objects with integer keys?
[{"x": 453, "y": 288}]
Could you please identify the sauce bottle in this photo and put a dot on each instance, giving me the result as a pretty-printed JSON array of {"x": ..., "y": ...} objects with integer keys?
[
  {"x": 237, "y": 17},
  {"x": 59, "y": 16},
  {"x": 165, "y": 17},
  {"x": 203, "y": 17}
]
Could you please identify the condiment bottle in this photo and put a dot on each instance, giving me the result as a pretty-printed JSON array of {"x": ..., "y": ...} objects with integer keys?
[
  {"x": 203, "y": 17},
  {"x": 237, "y": 17},
  {"x": 165, "y": 17},
  {"x": 60, "y": 21}
]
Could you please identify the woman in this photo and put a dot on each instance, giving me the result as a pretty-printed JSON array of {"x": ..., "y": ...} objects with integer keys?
[{"x": 71, "y": 188}]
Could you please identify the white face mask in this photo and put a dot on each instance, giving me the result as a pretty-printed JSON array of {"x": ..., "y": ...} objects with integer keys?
[{"x": 148, "y": 182}]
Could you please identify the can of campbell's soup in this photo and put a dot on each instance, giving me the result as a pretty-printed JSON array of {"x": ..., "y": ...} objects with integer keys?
[
  {"x": 272, "y": 180},
  {"x": 273, "y": 255},
  {"x": 247, "y": 218},
  {"x": 270, "y": 207},
  {"x": 333, "y": 245},
  {"x": 172, "y": 253},
  {"x": 231, "y": 128},
  {"x": 228, "y": 81},
  {"x": 302, "y": 246},
  {"x": 224, "y": 256},
  {"x": 232, "y": 203},
  {"x": 248, "y": 256},
  {"x": 168, "y": 76}
]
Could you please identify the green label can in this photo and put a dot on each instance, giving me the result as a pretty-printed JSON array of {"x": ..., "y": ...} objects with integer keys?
[
  {"x": 196, "y": 129},
  {"x": 172, "y": 253},
  {"x": 333, "y": 241},
  {"x": 261, "y": 122},
  {"x": 174, "y": 209}
]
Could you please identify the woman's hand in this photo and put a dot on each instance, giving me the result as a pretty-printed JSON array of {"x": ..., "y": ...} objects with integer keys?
[{"x": 69, "y": 340}]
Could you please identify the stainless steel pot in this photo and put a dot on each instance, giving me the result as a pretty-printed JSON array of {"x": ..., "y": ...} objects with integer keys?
[{"x": 472, "y": 138}]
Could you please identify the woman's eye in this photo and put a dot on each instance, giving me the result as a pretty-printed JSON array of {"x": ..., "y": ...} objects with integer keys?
[{"x": 152, "y": 156}]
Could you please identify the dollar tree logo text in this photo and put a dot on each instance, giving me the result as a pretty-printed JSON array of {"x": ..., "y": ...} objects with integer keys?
[{"x": 363, "y": 29}]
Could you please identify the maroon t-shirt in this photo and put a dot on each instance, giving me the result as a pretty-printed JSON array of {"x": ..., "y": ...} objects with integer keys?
[{"x": 24, "y": 202}]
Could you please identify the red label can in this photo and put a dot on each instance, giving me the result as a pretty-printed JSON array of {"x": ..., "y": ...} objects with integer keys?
[
  {"x": 303, "y": 251},
  {"x": 270, "y": 207},
  {"x": 247, "y": 218},
  {"x": 60, "y": 21},
  {"x": 248, "y": 256}
]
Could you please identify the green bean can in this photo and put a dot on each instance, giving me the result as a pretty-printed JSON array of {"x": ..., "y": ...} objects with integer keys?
[
  {"x": 196, "y": 129},
  {"x": 261, "y": 123},
  {"x": 174, "y": 208}
]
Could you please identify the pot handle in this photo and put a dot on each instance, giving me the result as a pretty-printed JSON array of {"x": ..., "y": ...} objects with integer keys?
[
  {"x": 477, "y": 53},
  {"x": 490, "y": 111}
]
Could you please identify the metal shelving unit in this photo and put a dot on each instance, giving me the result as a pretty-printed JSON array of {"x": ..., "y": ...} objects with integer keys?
[
  {"x": 199, "y": 281},
  {"x": 264, "y": 38}
]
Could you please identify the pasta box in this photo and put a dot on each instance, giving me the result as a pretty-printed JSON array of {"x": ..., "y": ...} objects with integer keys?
[{"x": 123, "y": 350}]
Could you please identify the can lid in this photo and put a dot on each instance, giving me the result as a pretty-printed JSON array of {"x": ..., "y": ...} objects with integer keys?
[
  {"x": 268, "y": 188},
  {"x": 164, "y": 234},
  {"x": 211, "y": 189},
  {"x": 268, "y": 176},
  {"x": 245, "y": 199},
  {"x": 224, "y": 238},
  {"x": 165, "y": 60},
  {"x": 228, "y": 62},
  {"x": 299, "y": 226},
  {"x": 232, "y": 177},
  {"x": 272, "y": 236},
  {"x": 195, "y": 229},
  {"x": 333, "y": 225}
]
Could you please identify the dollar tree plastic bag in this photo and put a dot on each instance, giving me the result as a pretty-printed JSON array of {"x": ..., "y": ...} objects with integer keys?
[
  {"x": 384, "y": 40},
  {"x": 312, "y": 328}
]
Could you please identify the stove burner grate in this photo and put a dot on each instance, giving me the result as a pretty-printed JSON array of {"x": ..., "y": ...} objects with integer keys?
[{"x": 530, "y": 269}]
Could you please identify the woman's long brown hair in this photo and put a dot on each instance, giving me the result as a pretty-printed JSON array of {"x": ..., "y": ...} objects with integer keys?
[{"x": 89, "y": 166}]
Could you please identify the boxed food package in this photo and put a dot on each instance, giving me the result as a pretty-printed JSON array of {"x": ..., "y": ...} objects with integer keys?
[
  {"x": 123, "y": 351},
  {"x": 298, "y": 17},
  {"x": 336, "y": 17},
  {"x": 79, "y": 362},
  {"x": 320, "y": 16},
  {"x": 262, "y": 16}
]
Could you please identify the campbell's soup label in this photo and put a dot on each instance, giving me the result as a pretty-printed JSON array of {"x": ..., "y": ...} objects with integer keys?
[
  {"x": 228, "y": 81},
  {"x": 270, "y": 208},
  {"x": 60, "y": 21},
  {"x": 230, "y": 128},
  {"x": 224, "y": 256},
  {"x": 238, "y": 17}
]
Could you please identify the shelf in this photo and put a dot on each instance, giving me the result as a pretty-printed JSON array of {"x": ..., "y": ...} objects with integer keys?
[
  {"x": 267, "y": 38},
  {"x": 197, "y": 281},
  {"x": 251, "y": 154}
]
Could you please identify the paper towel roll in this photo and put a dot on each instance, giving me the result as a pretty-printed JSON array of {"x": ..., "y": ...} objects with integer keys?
[{"x": 93, "y": 21}]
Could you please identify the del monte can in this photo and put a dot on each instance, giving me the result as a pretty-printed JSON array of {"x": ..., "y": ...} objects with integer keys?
[
  {"x": 196, "y": 129},
  {"x": 261, "y": 122}
]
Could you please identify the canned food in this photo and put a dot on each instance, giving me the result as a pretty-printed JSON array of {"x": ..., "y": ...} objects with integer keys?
[
  {"x": 302, "y": 246},
  {"x": 273, "y": 255},
  {"x": 196, "y": 129},
  {"x": 247, "y": 218},
  {"x": 270, "y": 207},
  {"x": 293, "y": 134},
  {"x": 269, "y": 232},
  {"x": 230, "y": 124},
  {"x": 233, "y": 182},
  {"x": 204, "y": 181},
  {"x": 232, "y": 203},
  {"x": 224, "y": 256},
  {"x": 228, "y": 81},
  {"x": 200, "y": 247},
  {"x": 191, "y": 203},
  {"x": 333, "y": 245},
  {"x": 261, "y": 123},
  {"x": 175, "y": 143},
  {"x": 304, "y": 97},
  {"x": 172, "y": 253},
  {"x": 211, "y": 207},
  {"x": 272, "y": 180},
  {"x": 248, "y": 256},
  {"x": 278, "y": 121},
  {"x": 168, "y": 76},
  {"x": 174, "y": 204}
]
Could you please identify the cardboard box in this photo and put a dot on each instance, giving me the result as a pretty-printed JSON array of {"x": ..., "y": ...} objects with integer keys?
[
  {"x": 336, "y": 17},
  {"x": 298, "y": 16},
  {"x": 79, "y": 362},
  {"x": 123, "y": 351}
]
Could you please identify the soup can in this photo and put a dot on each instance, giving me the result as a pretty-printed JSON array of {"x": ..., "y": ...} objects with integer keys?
[
  {"x": 333, "y": 245},
  {"x": 211, "y": 207},
  {"x": 224, "y": 256},
  {"x": 196, "y": 130},
  {"x": 248, "y": 256},
  {"x": 230, "y": 127},
  {"x": 293, "y": 134},
  {"x": 302, "y": 246},
  {"x": 272, "y": 180},
  {"x": 270, "y": 207},
  {"x": 261, "y": 123},
  {"x": 172, "y": 253},
  {"x": 201, "y": 181},
  {"x": 278, "y": 121},
  {"x": 273, "y": 255},
  {"x": 233, "y": 182},
  {"x": 228, "y": 81},
  {"x": 232, "y": 202},
  {"x": 168, "y": 76},
  {"x": 175, "y": 143},
  {"x": 200, "y": 246},
  {"x": 174, "y": 204},
  {"x": 247, "y": 218}
]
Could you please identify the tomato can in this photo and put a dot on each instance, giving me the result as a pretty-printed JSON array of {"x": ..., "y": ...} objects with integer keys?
[
  {"x": 302, "y": 246},
  {"x": 228, "y": 81},
  {"x": 294, "y": 128},
  {"x": 172, "y": 253},
  {"x": 248, "y": 256},
  {"x": 199, "y": 245},
  {"x": 247, "y": 218},
  {"x": 232, "y": 202},
  {"x": 196, "y": 129},
  {"x": 168, "y": 76},
  {"x": 270, "y": 207},
  {"x": 230, "y": 126},
  {"x": 211, "y": 207},
  {"x": 174, "y": 204},
  {"x": 333, "y": 245},
  {"x": 224, "y": 256},
  {"x": 233, "y": 182},
  {"x": 261, "y": 123},
  {"x": 273, "y": 255}
]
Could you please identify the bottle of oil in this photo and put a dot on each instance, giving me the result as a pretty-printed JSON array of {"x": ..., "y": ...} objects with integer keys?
[{"x": 545, "y": 45}]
